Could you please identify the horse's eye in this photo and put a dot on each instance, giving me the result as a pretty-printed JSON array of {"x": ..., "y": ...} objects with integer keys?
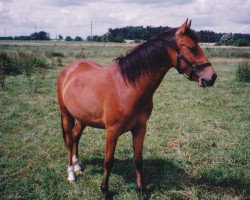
[{"x": 192, "y": 48}]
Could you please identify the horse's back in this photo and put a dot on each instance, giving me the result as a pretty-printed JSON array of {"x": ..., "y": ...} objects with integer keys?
[{"x": 77, "y": 67}]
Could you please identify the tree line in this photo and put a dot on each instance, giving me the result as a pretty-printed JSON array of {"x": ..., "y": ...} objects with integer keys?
[
  {"x": 144, "y": 33},
  {"x": 138, "y": 33},
  {"x": 42, "y": 35}
]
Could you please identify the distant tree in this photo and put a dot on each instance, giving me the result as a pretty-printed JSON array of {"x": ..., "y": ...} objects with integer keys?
[
  {"x": 97, "y": 38},
  {"x": 22, "y": 37},
  {"x": 241, "y": 42},
  {"x": 34, "y": 36},
  {"x": 227, "y": 39},
  {"x": 68, "y": 38},
  {"x": 145, "y": 33},
  {"x": 89, "y": 38},
  {"x": 60, "y": 37},
  {"x": 77, "y": 38},
  {"x": 42, "y": 35},
  {"x": 6, "y": 38},
  {"x": 119, "y": 40}
]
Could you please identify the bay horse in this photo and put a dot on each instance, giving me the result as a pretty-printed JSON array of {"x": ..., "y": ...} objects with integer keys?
[{"x": 118, "y": 98}]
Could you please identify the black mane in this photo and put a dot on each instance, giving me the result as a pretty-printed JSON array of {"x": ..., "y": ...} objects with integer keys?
[{"x": 149, "y": 56}]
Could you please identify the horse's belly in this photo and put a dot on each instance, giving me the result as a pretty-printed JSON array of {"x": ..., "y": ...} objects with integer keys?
[
  {"x": 86, "y": 106},
  {"x": 86, "y": 117}
]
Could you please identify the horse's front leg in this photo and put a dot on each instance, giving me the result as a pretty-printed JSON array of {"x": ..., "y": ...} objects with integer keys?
[
  {"x": 111, "y": 141},
  {"x": 138, "y": 139}
]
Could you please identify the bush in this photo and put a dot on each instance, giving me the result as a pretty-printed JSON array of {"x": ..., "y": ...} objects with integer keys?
[
  {"x": 241, "y": 43},
  {"x": 19, "y": 63},
  {"x": 80, "y": 54},
  {"x": 7, "y": 67},
  {"x": 243, "y": 72},
  {"x": 54, "y": 54},
  {"x": 230, "y": 40},
  {"x": 28, "y": 63},
  {"x": 59, "y": 62}
]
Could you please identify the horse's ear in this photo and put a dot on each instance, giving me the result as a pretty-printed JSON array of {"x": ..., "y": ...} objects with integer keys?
[
  {"x": 182, "y": 28},
  {"x": 189, "y": 24}
]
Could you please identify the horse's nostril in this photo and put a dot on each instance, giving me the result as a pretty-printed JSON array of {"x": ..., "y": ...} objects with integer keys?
[
  {"x": 214, "y": 77},
  {"x": 211, "y": 81}
]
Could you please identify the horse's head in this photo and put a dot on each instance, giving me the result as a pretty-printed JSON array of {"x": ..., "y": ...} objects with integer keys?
[{"x": 191, "y": 60}]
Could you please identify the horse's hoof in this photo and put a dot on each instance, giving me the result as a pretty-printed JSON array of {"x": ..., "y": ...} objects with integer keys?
[
  {"x": 104, "y": 196},
  {"x": 71, "y": 177},
  {"x": 145, "y": 196},
  {"x": 144, "y": 193},
  {"x": 79, "y": 172},
  {"x": 71, "y": 181},
  {"x": 107, "y": 196}
]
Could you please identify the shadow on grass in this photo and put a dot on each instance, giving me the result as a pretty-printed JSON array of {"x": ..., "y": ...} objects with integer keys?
[{"x": 163, "y": 174}]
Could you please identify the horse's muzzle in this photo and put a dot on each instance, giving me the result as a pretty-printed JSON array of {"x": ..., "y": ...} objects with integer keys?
[{"x": 205, "y": 81}]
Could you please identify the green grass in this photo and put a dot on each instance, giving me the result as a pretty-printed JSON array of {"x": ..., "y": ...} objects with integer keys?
[
  {"x": 227, "y": 52},
  {"x": 243, "y": 71},
  {"x": 197, "y": 144}
]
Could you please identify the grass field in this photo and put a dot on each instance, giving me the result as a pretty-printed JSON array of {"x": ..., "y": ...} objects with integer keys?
[{"x": 197, "y": 144}]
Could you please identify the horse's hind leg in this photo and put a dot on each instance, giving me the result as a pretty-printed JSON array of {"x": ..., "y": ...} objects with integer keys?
[
  {"x": 77, "y": 132},
  {"x": 67, "y": 125}
]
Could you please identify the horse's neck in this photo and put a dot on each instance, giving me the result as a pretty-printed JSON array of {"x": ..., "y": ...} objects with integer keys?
[
  {"x": 140, "y": 93},
  {"x": 144, "y": 88},
  {"x": 147, "y": 84}
]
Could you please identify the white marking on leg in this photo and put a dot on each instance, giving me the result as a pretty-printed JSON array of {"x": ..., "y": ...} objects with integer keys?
[
  {"x": 74, "y": 159},
  {"x": 77, "y": 167},
  {"x": 71, "y": 176}
]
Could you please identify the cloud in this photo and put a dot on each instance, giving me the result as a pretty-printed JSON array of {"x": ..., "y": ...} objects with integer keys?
[
  {"x": 6, "y": 1},
  {"x": 160, "y": 2},
  {"x": 62, "y": 3},
  {"x": 222, "y": 16},
  {"x": 73, "y": 17}
]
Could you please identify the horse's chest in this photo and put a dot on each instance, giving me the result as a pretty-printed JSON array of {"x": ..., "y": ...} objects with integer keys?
[{"x": 136, "y": 118}]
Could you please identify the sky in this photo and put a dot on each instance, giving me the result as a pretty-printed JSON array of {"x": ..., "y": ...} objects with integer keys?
[{"x": 73, "y": 17}]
